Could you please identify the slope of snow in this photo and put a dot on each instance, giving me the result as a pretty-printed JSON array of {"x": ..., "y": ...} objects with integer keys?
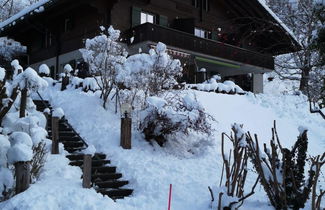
[{"x": 150, "y": 169}]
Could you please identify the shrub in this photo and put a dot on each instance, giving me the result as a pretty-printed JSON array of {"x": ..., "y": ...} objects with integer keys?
[
  {"x": 282, "y": 170},
  {"x": 173, "y": 115}
]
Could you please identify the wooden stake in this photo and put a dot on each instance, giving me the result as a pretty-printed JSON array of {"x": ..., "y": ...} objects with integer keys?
[
  {"x": 65, "y": 83},
  {"x": 86, "y": 181},
  {"x": 22, "y": 176},
  {"x": 126, "y": 133},
  {"x": 55, "y": 135},
  {"x": 23, "y": 103}
]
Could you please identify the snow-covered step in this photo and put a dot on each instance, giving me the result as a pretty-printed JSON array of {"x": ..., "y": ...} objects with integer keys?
[
  {"x": 106, "y": 176},
  {"x": 116, "y": 194},
  {"x": 111, "y": 184},
  {"x": 93, "y": 162},
  {"x": 76, "y": 149},
  {"x": 103, "y": 169},
  {"x": 97, "y": 156},
  {"x": 72, "y": 143}
]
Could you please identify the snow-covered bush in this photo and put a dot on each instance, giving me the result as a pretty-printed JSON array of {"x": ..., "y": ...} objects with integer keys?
[
  {"x": 173, "y": 116},
  {"x": 215, "y": 86},
  {"x": 44, "y": 70},
  {"x": 29, "y": 79},
  {"x": 153, "y": 73},
  {"x": 231, "y": 191},
  {"x": 9, "y": 48},
  {"x": 91, "y": 84},
  {"x": 105, "y": 57},
  {"x": 65, "y": 76}
]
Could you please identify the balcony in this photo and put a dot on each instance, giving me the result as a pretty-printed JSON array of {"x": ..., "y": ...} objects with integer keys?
[{"x": 189, "y": 42}]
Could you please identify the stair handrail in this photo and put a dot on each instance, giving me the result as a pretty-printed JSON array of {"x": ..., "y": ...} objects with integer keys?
[
  {"x": 39, "y": 95},
  {"x": 77, "y": 134}
]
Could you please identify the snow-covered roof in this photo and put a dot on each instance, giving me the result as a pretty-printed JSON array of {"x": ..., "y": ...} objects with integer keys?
[
  {"x": 35, "y": 8},
  {"x": 284, "y": 26}
]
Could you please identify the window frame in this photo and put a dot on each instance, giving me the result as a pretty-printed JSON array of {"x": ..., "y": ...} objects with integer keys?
[
  {"x": 203, "y": 33},
  {"x": 148, "y": 14}
]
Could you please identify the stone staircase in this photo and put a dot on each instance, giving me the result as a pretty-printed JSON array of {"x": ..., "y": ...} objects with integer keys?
[{"x": 105, "y": 179}]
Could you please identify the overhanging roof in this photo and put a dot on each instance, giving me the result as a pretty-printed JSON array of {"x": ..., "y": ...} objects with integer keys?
[{"x": 35, "y": 8}]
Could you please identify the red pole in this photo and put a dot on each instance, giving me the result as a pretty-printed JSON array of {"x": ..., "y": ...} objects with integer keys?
[{"x": 170, "y": 196}]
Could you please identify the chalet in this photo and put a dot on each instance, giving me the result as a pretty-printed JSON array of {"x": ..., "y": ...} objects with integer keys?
[{"x": 236, "y": 39}]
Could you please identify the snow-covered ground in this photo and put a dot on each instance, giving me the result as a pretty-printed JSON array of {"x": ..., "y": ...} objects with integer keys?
[{"x": 150, "y": 169}]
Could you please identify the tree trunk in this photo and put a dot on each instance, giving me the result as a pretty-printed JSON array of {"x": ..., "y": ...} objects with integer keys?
[
  {"x": 304, "y": 80},
  {"x": 6, "y": 109},
  {"x": 23, "y": 103}
]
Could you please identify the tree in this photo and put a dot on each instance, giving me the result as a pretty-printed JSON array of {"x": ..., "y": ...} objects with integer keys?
[
  {"x": 302, "y": 18},
  {"x": 105, "y": 56}
]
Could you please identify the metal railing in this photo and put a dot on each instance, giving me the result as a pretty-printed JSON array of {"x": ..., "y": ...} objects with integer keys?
[{"x": 187, "y": 41}]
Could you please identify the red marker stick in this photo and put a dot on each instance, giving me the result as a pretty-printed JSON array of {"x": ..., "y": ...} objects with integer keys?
[{"x": 170, "y": 196}]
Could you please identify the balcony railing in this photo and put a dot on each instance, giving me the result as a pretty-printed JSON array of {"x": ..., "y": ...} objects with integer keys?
[{"x": 189, "y": 42}]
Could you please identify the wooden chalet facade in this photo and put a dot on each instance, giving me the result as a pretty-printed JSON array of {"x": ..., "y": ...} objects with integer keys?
[{"x": 232, "y": 38}]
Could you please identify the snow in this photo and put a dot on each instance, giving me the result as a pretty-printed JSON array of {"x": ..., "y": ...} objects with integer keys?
[
  {"x": 47, "y": 111},
  {"x": 150, "y": 169},
  {"x": 37, "y": 6},
  {"x": 59, "y": 187},
  {"x": 4, "y": 146},
  {"x": 68, "y": 69},
  {"x": 156, "y": 102},
  {"x": 91, "y": 150},
  {"x": 21, "y": 148},
  {"x": 30, "y": 79},
  {"x": 19, "y": 153},
  {"x": 44, "y": 69},
  {"x": 212, "y": 85},
  {"x": 20, "y": 138},
  {"x": 10, "y": 48},
  {"x": 90, "y": 84},
  {"x": 2, "y": 74},
  {"x": 6, "y": 179},
  {"x": 302, "y": 129},
  {"x": 58, "y": 112}
]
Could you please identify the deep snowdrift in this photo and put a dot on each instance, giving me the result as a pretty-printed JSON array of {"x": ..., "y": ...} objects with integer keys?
[{"x": 151, "y": 169}]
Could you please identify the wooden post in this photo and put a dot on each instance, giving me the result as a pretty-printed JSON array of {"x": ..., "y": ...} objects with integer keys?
[
  {"x": 65, "y": 82},
  {"x": 22, "y": 176},
  {"x": 23, "y": 103},
  {"x": 55, "y": 135},
  {"x": 126, "y": 128},
  {"x": 86, "y": 178}
]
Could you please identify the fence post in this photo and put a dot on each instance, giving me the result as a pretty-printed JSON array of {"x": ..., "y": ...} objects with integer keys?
[
  {"x": 65, "y": 82},
  {"x": 126, "y": 126},
  {"x": 55, "y": 135},
  {"x": 86, "y": 178},
  {"x": 126, "y": 133},
  {"x": 22, "y": 170}
]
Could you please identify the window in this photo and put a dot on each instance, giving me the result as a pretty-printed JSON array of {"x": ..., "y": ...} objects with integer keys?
[
  {"x": 202, "y": 33},
  {"x": 67, "y": 24},
  {"x": 195, "y": 3},
  {"x": 206, "y": 5},
  {"x": 147, "y": 18}
]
